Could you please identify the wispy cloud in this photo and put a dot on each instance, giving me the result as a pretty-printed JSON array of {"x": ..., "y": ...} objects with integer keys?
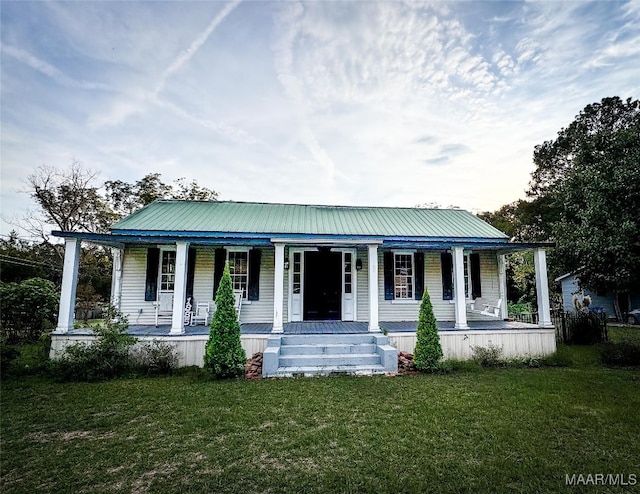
[
  {"x": 137, "y": 100},
  {"x": 49, "y": 70},
  {"x": 200, "y": 40}
]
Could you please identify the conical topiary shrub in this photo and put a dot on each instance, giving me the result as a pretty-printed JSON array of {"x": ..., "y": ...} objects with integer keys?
[
  {"x": 428, "y": 352},
  {"x": 224, "y": 355}
]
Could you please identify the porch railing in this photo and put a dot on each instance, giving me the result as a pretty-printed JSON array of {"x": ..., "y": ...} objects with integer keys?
[{"x": 573, "y": 327}]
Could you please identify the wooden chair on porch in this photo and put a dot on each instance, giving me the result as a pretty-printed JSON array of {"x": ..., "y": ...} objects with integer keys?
[{"x": 491, "y": 310}]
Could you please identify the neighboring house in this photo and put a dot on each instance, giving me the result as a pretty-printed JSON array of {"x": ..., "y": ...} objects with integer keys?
[
  {"x": 313, "y": 269},
  {"x": 570, "y": 284}
]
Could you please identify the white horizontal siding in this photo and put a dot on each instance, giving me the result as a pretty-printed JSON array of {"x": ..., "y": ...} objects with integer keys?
[
  {"x": 362, "y": 286},
  {"x": 458, "y": 344},
  {"x": 490, "y": 283},
  {"x": 262, "y": 310},
  {"x": 134, "y": 274},
  {"x": 190, "y": 349},
  {"x": 393, "y": 310},
  {"x": 443, "y": 310},
  {"x": 455, "y": 344},
  {"x": 203, "y": 276}
]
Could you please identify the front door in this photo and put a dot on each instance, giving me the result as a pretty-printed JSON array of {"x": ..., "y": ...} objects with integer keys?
[{"x": 322, "y": 285}]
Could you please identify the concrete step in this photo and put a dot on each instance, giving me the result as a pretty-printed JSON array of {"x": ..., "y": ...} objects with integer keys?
[
  {"x": 320, "y": 339},
  {"x": 344, "y": 359},
  {"x": 328, "y": 370},
  {"x": 325, "y": 354},
  {"x": 328, "y": 349}
]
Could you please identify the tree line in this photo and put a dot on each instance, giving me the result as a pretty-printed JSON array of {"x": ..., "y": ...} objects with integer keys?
[
  {"x": 584, "y": 195},
  {"x": 73, "y": 199}
]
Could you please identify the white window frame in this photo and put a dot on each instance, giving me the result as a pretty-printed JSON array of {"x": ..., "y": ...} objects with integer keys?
[
  {"x": 245, "y": 250},
  {"x": 413, "y": 276},
  {"x": 160, "y": 274}
]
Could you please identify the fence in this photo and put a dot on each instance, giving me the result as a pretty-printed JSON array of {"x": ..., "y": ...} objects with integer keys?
[{"x": 573, "y": 327}]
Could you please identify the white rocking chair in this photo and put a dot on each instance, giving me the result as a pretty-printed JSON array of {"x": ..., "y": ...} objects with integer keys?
[
  {"x": 490, "y": 310},
  {"x": 238, "y": 296},
  {"x": 164, "y": 309},
  {"x": 201, "y": 314}
]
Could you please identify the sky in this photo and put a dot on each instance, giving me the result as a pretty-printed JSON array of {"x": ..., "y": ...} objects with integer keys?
[{"x": 349, "y": 103}]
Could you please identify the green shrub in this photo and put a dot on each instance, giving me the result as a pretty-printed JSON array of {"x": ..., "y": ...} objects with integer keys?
[
  {"x": 27, "y": 309},
  {"x": 105, "y": 358},
  {"x": 8, "y": 353},
  {"x": 621, "y": 354},
  {"x": 489, "y": 356},
  {"x": 428, "y": 352},
  {"x": 527, "y": 362},
  {"x": 224, "y": 355},
  {"x": 520, "y": 308},
  {"x": 155, "y": 357}
]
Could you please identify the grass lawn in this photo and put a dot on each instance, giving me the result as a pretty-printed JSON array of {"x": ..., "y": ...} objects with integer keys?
[{"x": 503, "y": 430}]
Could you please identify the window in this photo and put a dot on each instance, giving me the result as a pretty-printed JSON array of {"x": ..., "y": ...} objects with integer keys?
[
  {"x": 297, "y": 270},
  {"x": 403, "y": 275},
  {"x": 239, "y": 270},
  {"x": 467, "y": 280},
  {"x": 347, "y": 272},
  {"x": 168, "y": 270},
  {"x": 471, "y": 276}
]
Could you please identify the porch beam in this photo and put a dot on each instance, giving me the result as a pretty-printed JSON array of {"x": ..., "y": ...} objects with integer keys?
[
  {"x": 458, "y": 288},
  {"x": 502, "y": 286},
  {"x": 278, "y": 289},
  {"x": 67, "y": 308},
  {"x": 374, "y": 325},
  {"x": 179, "y": 288},
  {"x": 542, "y": 288}
]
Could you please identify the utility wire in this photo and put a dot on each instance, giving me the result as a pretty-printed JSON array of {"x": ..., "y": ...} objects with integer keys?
[{"x": 26, "y": 262}]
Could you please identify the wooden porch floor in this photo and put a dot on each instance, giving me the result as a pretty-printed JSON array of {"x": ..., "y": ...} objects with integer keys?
[{"x": 325, "y": 327}]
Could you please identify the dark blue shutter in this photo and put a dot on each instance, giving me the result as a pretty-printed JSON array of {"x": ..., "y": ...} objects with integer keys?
[
  {"x": 254, "y": 274},
  {"x": 446, "y": 261},
  {"x": 191, "y": 269},
  {"x": 476, "y": 288},
  {"x": 389, "y": 292},
  {"x": 151, "y": 283},
  {"x": 218, "y": 269},
  {"x": 418, "y": 259}
]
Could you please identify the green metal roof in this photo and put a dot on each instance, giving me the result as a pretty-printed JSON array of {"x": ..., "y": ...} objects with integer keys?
[{"x": 298, "y": 219}]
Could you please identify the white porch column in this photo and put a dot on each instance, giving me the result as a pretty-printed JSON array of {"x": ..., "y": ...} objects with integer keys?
[
  {"x": 502, "y": 286},
  {"x": 374, "y": 324},
  {"x": 542, "y": 288},
  {"x": 278, "y": 289},
  {"x": 458, "y": 288},
  {"x": 69, "y": 285},
  {"x": 179, "y": 288},
  {"x": 116, "y": 277}
]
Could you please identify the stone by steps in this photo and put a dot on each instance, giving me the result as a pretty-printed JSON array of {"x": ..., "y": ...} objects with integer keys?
[{"x": 327, "y": 354}]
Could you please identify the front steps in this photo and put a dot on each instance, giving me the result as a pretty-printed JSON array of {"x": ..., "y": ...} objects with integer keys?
[{"x": 328, "y": 354}]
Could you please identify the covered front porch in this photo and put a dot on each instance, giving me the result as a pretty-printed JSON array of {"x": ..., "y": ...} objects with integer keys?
[{"x": 515, "y": 338}]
